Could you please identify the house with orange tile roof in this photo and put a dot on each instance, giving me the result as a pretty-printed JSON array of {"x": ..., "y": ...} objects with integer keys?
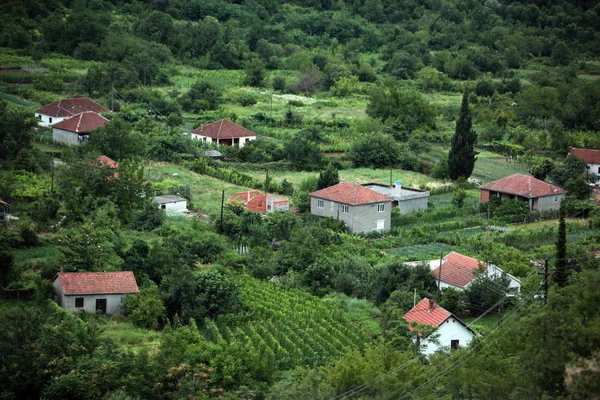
[
  {"x": 540, "y": 196},
  {"x": 449, "y": 331},
  {"x": 258, "y": 202},
  {"x": 60, "y": 110},
  {"x": 94, "y": 292},
  {"x": 224, "y": 133},
  {"x": 77, "y": 128},
  {"x": 361, "y": 209},
  {"x": 591, "y": 158}
]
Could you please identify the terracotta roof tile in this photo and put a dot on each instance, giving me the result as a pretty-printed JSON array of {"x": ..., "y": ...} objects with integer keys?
[
  {"x": 223, "y": 129},
  {"x": 97, "y": 282},
  {"x": 82, "y": 123},
  {"x": 71, "y": 107},
  {"x": 350, "y": 193},
  {"x": 105, "y": 160},
  {"x": 588, "y": 155},
  {"x": 457, "y": 269},
  {"x": 421, "y": 314},
  {"x": 523, "y": 185}
]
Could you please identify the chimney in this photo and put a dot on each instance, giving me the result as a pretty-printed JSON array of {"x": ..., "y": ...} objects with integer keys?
[
  {"x": 431, "y": 305},
  {"x": 398, "y": 186}
]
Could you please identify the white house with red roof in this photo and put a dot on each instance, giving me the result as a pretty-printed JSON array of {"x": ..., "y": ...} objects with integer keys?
[
  {"x": 540, "y": 196},
  {"x": 258, "y": 202},
  {"x": 66, "y": 108},
  {"x": 77, "y": 128},
  {"x": 458, "y": 271},
  {"x": 224, "y": 133},
  {"x": 591, "y": 158},
  {"x": 94, "y": 292},
  {"x": 449, "y": 331},
  {"x": 361, "y": 209}
]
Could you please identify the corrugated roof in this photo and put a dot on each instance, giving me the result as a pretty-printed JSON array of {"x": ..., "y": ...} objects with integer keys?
[
  {"x": 422, "y": 314},
  {"x": 350, "y": 193},
  {"x": 457, "y": 269},
  {"x": 82, "y": 123},
  {"x": 71, "y": 107},
  {"x": 73, "y": 283},
  {"x": 588, "y": 155},
  {"x": 223, "y": 129},
  {"x": 523, "y": 186}
]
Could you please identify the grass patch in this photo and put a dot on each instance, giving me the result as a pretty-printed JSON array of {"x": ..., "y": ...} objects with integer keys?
[
  {"x": 125, "y": 334},
  {"x": 19, "y": 101},
  {"x": 490, "y": 169},
  {"x": 431, "y": 249},
  {"x": 38, "y": 254}
]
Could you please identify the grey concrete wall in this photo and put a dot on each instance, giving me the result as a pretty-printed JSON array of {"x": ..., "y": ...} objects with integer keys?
[
  {"x": 60, "y": 135},
  {"x": 412, "y": 205},
  {"x": 547, "y": 203},
  {"x": 361, "y": 218},
  {"x": 113, "y": 303}
]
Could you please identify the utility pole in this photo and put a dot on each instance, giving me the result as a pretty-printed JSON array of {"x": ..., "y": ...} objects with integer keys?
[
  {"x": 112, "y": 98},
  {"x": 391, "y": 169},
  {"x": 440, "y": 275},
  {"x": 222, "y": 202},
  {"x": 500, "y": 315},
  {"x": 546, "y": 280},
  {"x": 267, "y": 182},
  {"x": 52, "y": 182}
]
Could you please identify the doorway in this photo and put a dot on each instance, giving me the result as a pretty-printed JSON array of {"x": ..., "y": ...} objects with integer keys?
[{"x": 101, "y": 306}]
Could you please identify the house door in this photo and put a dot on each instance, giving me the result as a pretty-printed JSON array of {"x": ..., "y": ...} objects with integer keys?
[{"x": 101, "y": 306}]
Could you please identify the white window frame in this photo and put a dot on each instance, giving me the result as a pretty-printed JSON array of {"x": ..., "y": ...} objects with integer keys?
[
  {"x": 345, "y": 209},
  {"x": 320, "y": 203},
  {"x": 381, "y": 207}
]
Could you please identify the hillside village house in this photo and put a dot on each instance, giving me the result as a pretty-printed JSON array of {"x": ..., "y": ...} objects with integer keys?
[
  {"x": 224, "y": 133},
  {"x": 256, "y": 201},
  {"x": 361, "y": 209},
  {"x": 4, "y": 210},
  {"x": 172, "y": 204},
  {"x": 540, "y": 196},
  {"x": 60, "y": 110},
  {"x": 77, "y": 129},
  {"x": 591, "y": 158},
  {"x": 406, "y": 199},
  {"x": 94, "y": 292},
  {"x": 450, "y": 332},
  {"x": 458, "y": 271}
]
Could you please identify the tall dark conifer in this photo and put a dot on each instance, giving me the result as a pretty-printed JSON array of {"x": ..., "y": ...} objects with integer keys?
[
  {"x": 561, "y": 275},
  {"x": 328, "y": 177},
  {"x": 462, "y": 155}
]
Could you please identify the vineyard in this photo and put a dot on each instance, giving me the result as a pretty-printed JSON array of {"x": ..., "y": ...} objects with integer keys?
[{"x": 287, "y": 327}]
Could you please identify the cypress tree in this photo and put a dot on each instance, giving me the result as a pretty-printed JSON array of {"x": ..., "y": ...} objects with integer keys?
[
  {"x": 561, "y": 274},
  {"x": 462, "y": 155}
]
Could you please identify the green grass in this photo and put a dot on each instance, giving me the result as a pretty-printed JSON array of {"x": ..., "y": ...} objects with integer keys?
[
  {"x": 489, "y": 169},
  {"x": 489, "y": 321},
  {"x": 49, "y": 148},
  {"x": 126, "y": 334},
  {"x": 19, "y": 101},
  {"x": 430, "y": 249},
  {"x": 444, "y": 200},
  {"x": 40, "y": 254}
]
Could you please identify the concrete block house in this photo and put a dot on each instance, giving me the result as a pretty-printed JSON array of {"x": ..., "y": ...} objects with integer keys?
[
  {"x": 540, "y": 196},
  {"x": 61, "y": 110},
  {"x": 171, "y": 203},
  {"x": 450, "y": 332},
  {"x": 591, "y": 158},
  {"x": 94, "y": 292},
  {"x": 361, "y": 209},
  {"x": 407, "y": 199},
  {"x": 77, "y": 129},
  {"x": 224, "y": 133}
]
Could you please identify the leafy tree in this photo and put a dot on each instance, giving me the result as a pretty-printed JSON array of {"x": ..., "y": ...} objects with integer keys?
[
  {"x": 458, "y": 197},
  {"x": 572, "y": 168},
  {"x": 454, "y": 300},
  {"x": 145, "y": 308},
  {"x": 484, "y": 291},
  {"x": 118, "y": 140},
  {"x": 149, "y": 217},
  {"x": 542, "y": 169},
  {"x": 462, "y": 155},
  {"x": 328, "y": 177},
  {"x": 255, "y": 72},
  {"x": 376, "y": 151},
  {"x": 203, "y": 95},
  {"x": 16, "y": 139},
  {"x": 561, "y": 275},
  {"x": 303, "y": 153},
  {"x": 578, "y": 188}
]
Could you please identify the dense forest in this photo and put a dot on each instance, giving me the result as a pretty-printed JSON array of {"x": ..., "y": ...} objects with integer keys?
[{"x": 444, "y": 95}]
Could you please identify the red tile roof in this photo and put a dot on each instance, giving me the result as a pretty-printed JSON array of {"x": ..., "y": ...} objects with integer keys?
[
  {"x": 105, "y": 160},
  {"x": 457, "y": 269},
  {"x": 421, "y": 314},
  {"x": 588, "y": 155},
  {"x": 82, "y": 123},
  {"x": 97, "y": 282},
  {"x": 523, "y": 186},
  {"x": 223, "y": 129},
  {"x": 71, "y": 107},
  {"x": 350, "y": 193}
]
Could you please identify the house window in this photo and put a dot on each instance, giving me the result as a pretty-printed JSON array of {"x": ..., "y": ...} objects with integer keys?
[
  {"x": 454, "y": 344},
  {"x": 163, "y": 206},
  {"x": 380, "y": 225},
  {"x": 556, "y": 199},
  {"x": 320, "y": 203},
  {"x": 50, "y": 119},
  {"x": 40, "y": 117},
  {"x": 381, "y": 207},
  {"x": 78, "y": 302},
  {"x": 344, "y": 209},
  {"x": 599, "y": 170}
]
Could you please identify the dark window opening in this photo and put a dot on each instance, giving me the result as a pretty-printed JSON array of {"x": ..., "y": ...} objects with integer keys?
[
  {"x": 454, "y": 344},
  {"x": 78, "y": 302}
]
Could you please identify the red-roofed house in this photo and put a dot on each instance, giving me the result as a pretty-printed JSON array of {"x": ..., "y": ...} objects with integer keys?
[
  {"x": 256, "y": 201},
  {"x": 94, "y": 292},
  {"x": 450, "y": 332},
  {"x": 224, "y": 132},
  {"x": 76, "y": 129},
  {"x": 66, "y": 108},
  {"x": 540, "y": 195},
  {"x": 458, "y": 271},
  {"x": 591, "y": 158},
  {"x": 361, "y": 209}
]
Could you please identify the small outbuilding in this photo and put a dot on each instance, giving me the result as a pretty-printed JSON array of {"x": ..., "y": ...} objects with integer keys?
[
  {"x": 450, "y": 332},
  {"x": 540, "y": 196},
  {"x": 94, "y": 292},
  {"x": 591, "y": 158},
  {"x": 63, "y": 109},
  {"x": 224, "y": 133},
  {"x": 171, "y": 203}
]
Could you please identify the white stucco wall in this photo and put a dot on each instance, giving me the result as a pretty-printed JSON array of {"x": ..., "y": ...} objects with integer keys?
[
  {"x": 46, "y": 120},
  {"x": 514, "y": 283},
  {"x": 178, "y": 206},
  {"x": 451, "y": 329},
  {"x": 114, "y": 302},
  {"x": 242, "y": 140}
]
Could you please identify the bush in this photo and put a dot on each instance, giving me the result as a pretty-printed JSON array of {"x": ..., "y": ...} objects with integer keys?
[
  {"x": 145, "y": 308},
  {"x": 29, "y": 237},
  {"x": 279, "y": 83}
]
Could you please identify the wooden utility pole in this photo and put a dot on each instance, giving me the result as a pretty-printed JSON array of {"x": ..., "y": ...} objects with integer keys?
[
  {"x": 546, "y": 280},
  {"x": 222, "y": 202},
  {"x": 267, "y": 182},
  {"x": 500, "y": 315},
  {"x": 440, "y": 275}
]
